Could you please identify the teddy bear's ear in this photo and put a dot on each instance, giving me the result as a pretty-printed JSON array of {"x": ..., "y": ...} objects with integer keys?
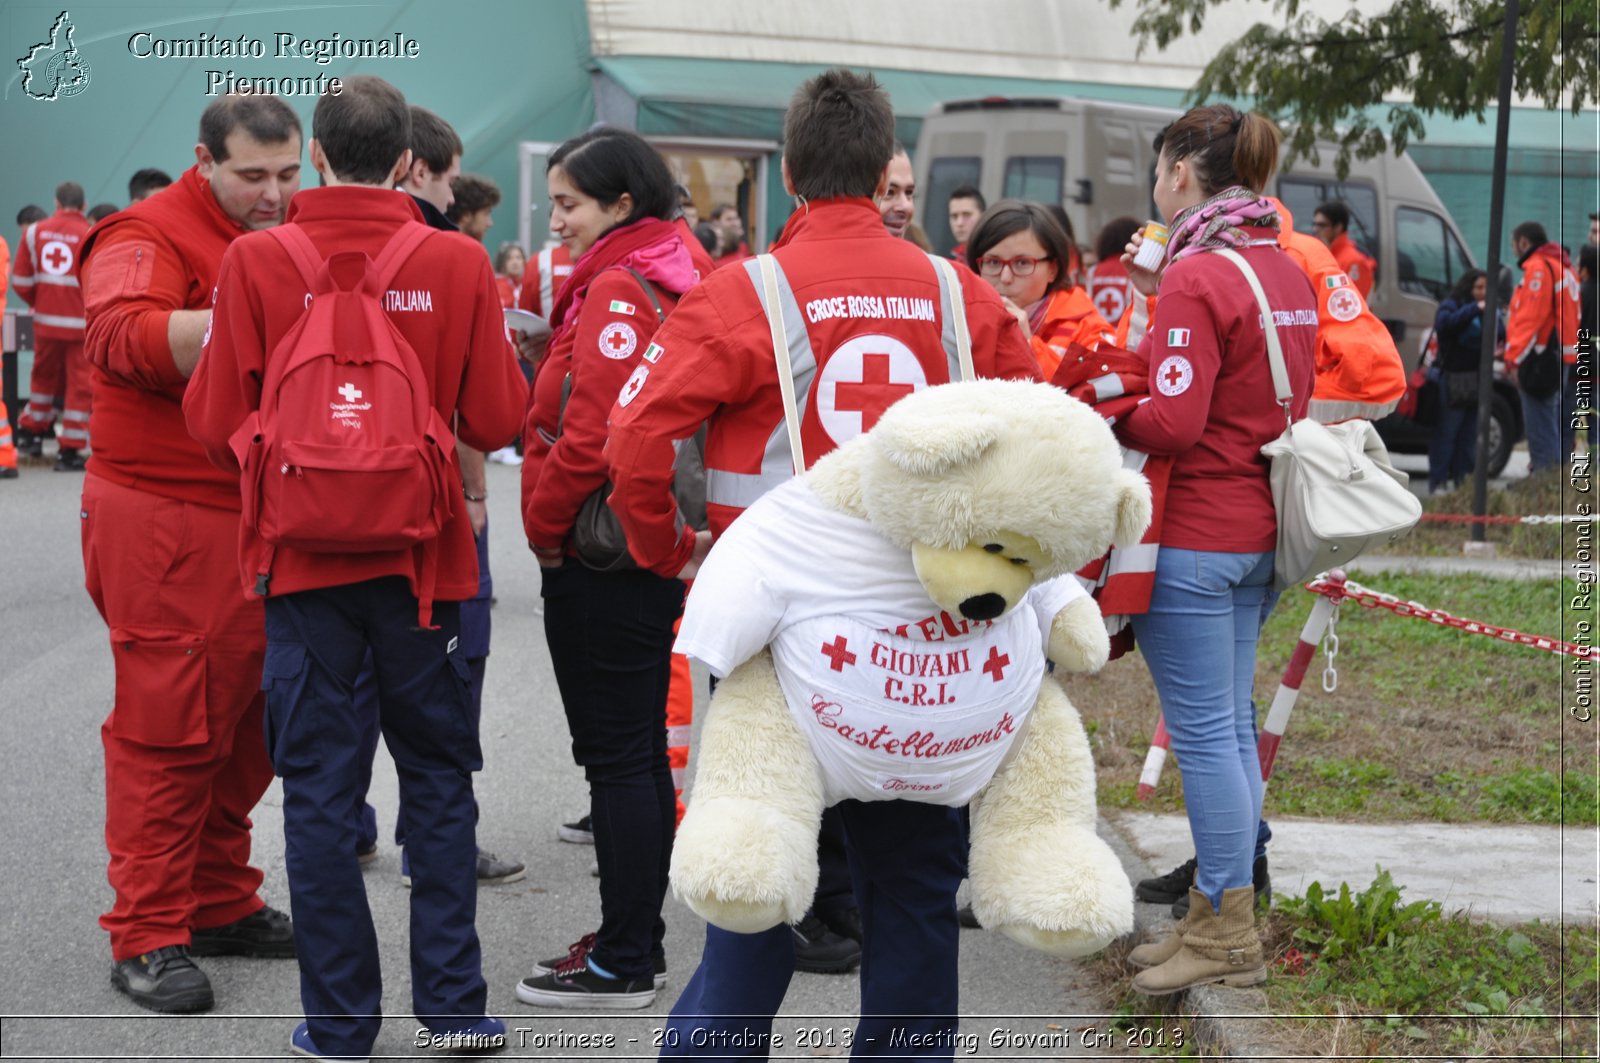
[
  {"x": 931, "y": 446},
  {"x": 1133, "y": 507}
]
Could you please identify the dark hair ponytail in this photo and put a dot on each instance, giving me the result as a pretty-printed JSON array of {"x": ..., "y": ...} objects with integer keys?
[{"x": 1224, "y": 147}]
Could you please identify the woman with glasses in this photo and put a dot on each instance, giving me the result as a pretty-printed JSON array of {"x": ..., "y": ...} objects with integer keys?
[{"x": 1024, "y": 255}]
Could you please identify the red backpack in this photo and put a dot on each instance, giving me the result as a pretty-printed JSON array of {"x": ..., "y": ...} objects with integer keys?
[{"x": 347, "y": 453}]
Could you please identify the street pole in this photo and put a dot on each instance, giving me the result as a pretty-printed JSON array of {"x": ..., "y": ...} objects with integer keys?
[{"x": 1491, "y": 307}]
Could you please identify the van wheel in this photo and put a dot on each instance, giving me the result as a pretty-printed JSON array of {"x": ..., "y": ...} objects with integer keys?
[{"x": 1502, "y": 435}]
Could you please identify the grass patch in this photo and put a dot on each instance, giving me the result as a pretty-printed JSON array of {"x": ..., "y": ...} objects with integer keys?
[
  {"x": 1403, "y": 980},
  {"x": 1426, "y": 722}
]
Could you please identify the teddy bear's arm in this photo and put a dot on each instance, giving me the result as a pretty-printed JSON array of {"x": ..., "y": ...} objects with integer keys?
[{"x": 1078, "y": 640}]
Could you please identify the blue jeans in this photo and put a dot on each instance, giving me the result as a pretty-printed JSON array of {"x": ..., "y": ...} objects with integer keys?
[
  {"x": 1541, "y": 420},
  {"x": 1199, "y": 639},
  {"x": 1453, "y": 447}
]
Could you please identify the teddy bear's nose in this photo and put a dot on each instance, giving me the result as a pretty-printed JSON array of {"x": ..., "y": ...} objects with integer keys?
[{"x": 983, "y": 606}]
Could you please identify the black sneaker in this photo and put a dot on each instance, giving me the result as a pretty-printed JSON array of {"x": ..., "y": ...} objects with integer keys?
[
  {"x": 965, "y": 916},
  {"x": 164, "y": 980},
  {"x": 819, "y": 950},
  {"x": 69, "y": 460},
  {"x": 582, "y": 988},
  {"x": 1172, "y": 886},
  {"x": 266, "y": 934},
  {"x": 28, "y": 444},
  {"x": 9, "y": 472},
  {"x": 366, "y": 854},
  {"x": 578, "y": 956},
  {"x": 1263, "y": 884},
  {"x": 579, "y": 832}
]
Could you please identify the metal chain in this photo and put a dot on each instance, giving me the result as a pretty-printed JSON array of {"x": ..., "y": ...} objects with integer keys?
[
  {"x": 1330, "y": 646},
  {"x": 1467, "y": 518},
  {"x": 1370, "y": 599}
]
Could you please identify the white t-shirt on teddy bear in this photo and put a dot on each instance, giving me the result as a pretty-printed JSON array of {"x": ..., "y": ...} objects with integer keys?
[{"x": 897, "y": 698}]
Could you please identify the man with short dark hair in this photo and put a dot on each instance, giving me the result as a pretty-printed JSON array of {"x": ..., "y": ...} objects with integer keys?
[
  {"x": 146, "y": 183},
  {"x": 473, "y": 199},
  {"x": 1544, "y": 312},
  {"x": 897, "y": 202},
  {"x": 46, "y": 276},
  {"x": 1331, "y": 224},
  {"x": 184, "y": 758},
  {"x": 327, "y": 611},
  {"x": 713, "y": 361},
  {"x": 966, "y": 207},
  {"x": 725, "y": 216},
  {"x": 435, "y": 164}
]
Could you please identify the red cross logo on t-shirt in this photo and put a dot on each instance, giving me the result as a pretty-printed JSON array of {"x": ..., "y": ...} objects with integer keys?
[
  {"x": 875, "y": 392},
  {"x": 838, "y": 654},
  {"x": 996, "y": 664}
]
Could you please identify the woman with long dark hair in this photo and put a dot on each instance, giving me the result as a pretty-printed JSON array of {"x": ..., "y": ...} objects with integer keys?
[
  {"x": 609, "y": 632},
  {"x": 1212, "y": 406},
  {"x": 1458, "y": 325}
]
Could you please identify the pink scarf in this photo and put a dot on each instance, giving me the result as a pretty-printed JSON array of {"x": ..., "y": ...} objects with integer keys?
[
  {"x": 649, "y": 245},
  {"x": 1220, "y": 222}
]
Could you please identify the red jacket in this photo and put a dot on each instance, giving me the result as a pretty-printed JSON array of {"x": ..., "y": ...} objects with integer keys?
[
  {"x": 1546, "y": 303},
  {"x": 140, "y": 265},
  {"x": 1212, "y": 403},
  {"x": 614, "y": 330},
  {"x": 46, "y": 274},
  {"x": 1069, "y": 317},
  {"x": 866, "y": 300},
  {"x": 542, "y": 277},
  {"x": 1361, "y": 268},
  {"x": 444, "y": 302}
]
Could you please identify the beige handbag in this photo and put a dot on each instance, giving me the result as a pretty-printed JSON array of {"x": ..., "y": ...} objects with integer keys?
[{"x": 1332, "y": 485}]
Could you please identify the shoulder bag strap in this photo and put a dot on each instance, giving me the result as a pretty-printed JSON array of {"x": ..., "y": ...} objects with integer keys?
[
  {"x": 1280, "y": 372},
  {"x": 780, "y": 352},
  {"x": 958, "y": 314},
  {"x": 650, "y": 293}
]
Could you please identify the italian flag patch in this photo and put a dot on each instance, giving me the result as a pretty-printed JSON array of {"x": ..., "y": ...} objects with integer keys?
[
  {"x": 620, "y": 307},
  {"x": 1337, "y": 280},
  {"x": 1177, "y": 337}
]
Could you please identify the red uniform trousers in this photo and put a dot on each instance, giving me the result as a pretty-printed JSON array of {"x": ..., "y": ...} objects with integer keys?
[
  {"x": 186, "y": 759},
  {"x": 59, "y": 368}
]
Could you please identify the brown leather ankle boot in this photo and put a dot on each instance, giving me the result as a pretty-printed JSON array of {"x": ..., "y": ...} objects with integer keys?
[{"x": 1219, "y": 946}]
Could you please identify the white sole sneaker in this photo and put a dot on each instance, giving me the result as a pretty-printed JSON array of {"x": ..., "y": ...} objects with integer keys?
[
  {"x": 569, "y": 998},
  {"x": 539, "y": 968}
]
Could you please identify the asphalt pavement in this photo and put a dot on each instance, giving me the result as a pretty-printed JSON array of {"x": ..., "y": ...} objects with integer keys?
[{"x": 56, "y": 678}]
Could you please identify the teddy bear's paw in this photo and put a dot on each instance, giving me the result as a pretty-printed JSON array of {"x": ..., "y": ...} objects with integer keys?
[
  {"x": 1078, "y": 639},
  {"x": 1064, "y": 893},
  {"x": 744, "y": 866},
  {"x": 1069, "y": 944}
]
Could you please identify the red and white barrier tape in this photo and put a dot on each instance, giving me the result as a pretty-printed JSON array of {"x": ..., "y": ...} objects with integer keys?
[{"x": 1335, "y": 589}]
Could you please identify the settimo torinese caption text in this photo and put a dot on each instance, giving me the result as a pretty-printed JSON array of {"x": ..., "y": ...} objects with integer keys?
[{"x": 320, "y": 51}]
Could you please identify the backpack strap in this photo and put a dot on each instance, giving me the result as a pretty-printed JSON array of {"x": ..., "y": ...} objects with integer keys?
[
  {"x": 400, "y": 247},
  {"x": 301, "y": 251}
]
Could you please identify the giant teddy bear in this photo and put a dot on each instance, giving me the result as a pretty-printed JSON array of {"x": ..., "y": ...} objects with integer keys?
[{"x": 882, "y": 623}]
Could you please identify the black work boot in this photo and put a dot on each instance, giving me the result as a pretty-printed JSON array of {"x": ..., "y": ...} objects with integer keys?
[
  {"x": 164, "y": 980},
  {"x": 820, "y": 951},
  {"x": 265, "y": 934},
  {"x": 29, "y": 444},
  {"x": 70, "y": 460},
  {"x": 1165, "y": 889},
  {"x": 1262, "y": 882}
]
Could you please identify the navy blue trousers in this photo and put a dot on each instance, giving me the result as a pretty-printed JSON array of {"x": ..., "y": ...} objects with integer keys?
[
  {"x": 906, "y": 860},
  {"x": 316, "y": 644},
  {"x": 475, "y": 626}
]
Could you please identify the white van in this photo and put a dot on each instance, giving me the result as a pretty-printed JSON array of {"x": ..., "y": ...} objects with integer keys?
[{"x": 1096, "y": 159}]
